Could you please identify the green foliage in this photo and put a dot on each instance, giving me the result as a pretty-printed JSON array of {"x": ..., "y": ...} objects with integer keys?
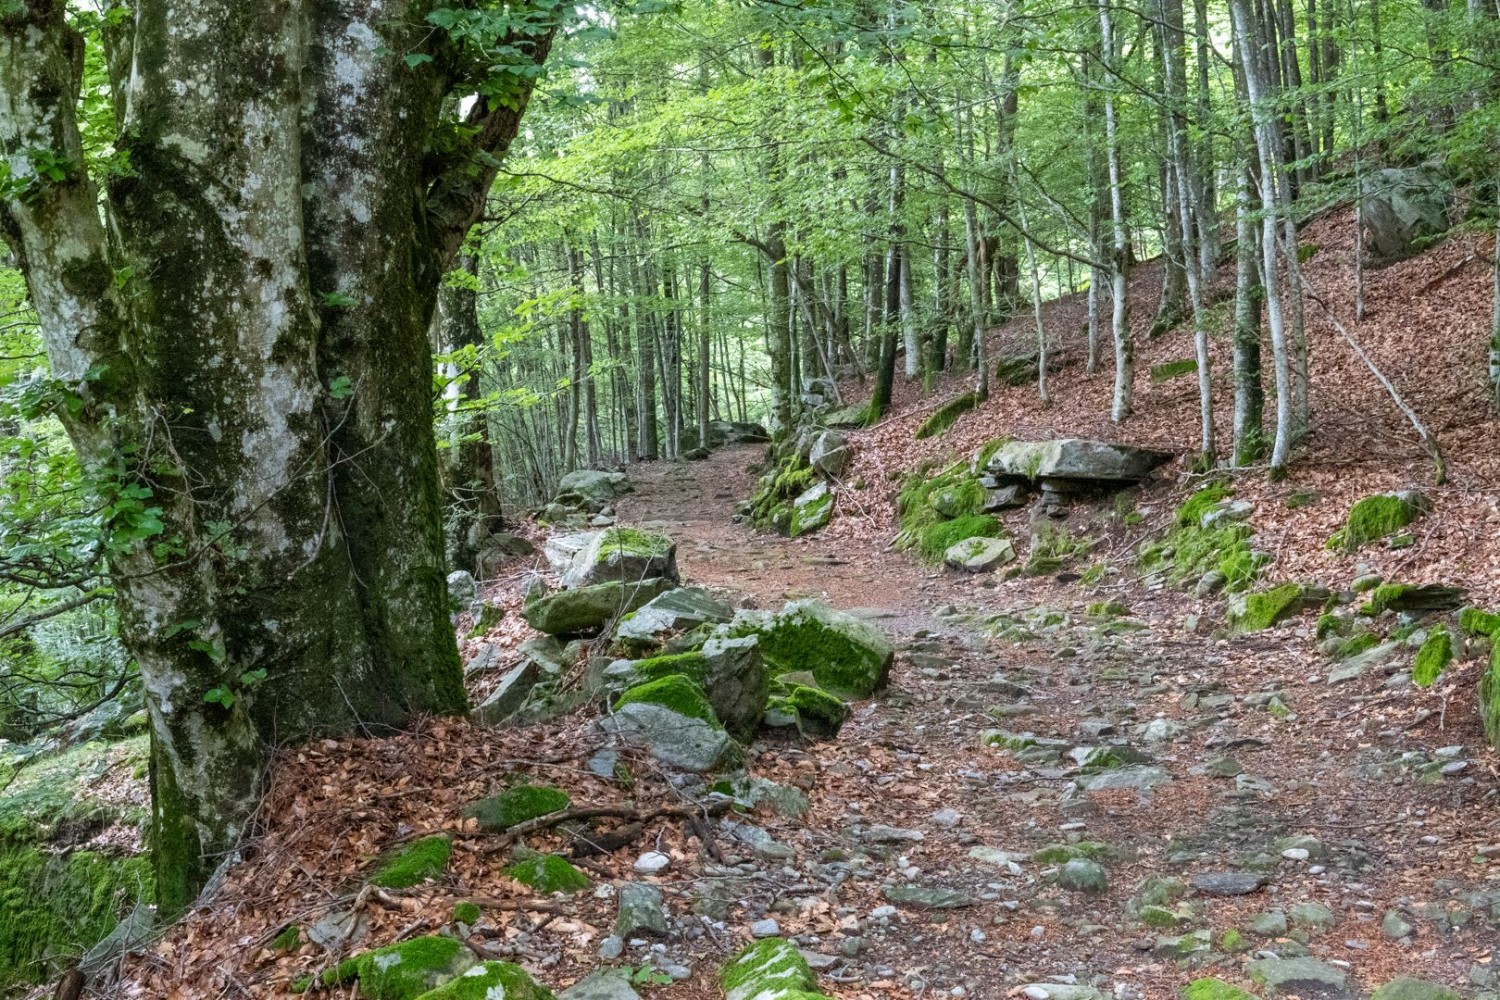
[
  {"x": 946, "y": 415},
  {"x": 417, "y": 862},
  {"x": 1373, "y": 518},
  {"x": 1433, "y": 657}
]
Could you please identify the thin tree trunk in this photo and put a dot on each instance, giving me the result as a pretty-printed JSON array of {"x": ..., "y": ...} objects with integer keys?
[{"x": 1121, "y": 407}]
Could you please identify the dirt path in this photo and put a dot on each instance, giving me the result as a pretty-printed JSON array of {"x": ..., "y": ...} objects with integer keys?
[{"x": 1358, "y": 820}]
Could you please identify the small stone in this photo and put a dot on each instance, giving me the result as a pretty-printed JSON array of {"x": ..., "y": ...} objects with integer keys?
[
  {"x": 883, "y": 912},
  {"x": 1312, "y": 915},
  {"x": 932, "y": 898},
  {"x": 947, "y": 818},
  {"x": 1082, "y": 875},
  {"x": 765, "y": 928},
  {"x": 1395, "y": 925},
  {"x": 606, "y": 984},
  {"x": 1272, "y": 924},
  {"x": 1295, "y": 854},
  {"x": 612, "y": 947},
  {"x": 652, "y": 862},
  {"x": 1229, "y": 883}
]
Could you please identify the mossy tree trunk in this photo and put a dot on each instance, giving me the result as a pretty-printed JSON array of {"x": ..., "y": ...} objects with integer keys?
[{"x": 242, "y": 318}]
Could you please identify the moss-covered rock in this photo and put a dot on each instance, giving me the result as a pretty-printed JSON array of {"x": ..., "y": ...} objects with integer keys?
[
  {"x": 771, "y": 503},
  {"x": 1173, "y": 369},
  {"x": 677, "y": 692},
  {"x": 934, "y": 540},
  {"x": 947, "y": 415},
  {"x": 56, "y": 900},
  {"x": 848, "y": 657},
  {"x": 1265, "y": 608},
  {"x": 1478, "y": 622},
  {"x": 770, "y": 969},
  {"x": 731, "y": 672},
  {"x": 1413, "y": 597},
  {"x": 1433, "y": 657},
  {"x": 1214, "y": 989},
  {"x": 466, "y": 913},
  {"x": 1193, "y": 549},
  {"x": 623, "y": 555},
  {"x": 673, "y": 717},
  {"x": 417, "y": 862},
  {"x": 516, "y": 805},
  {"x": 810, "y": 510},
  {"x": 1489, "y": 699},
  {"x": 1377, "y": 517},
  {"x": 491, "y": 981},
  {"x": 406, "y": 970},
  {"x": 1407, "y": 988},
  {"x": 548, "y": 873},
  {"x": 587, "y": 609},
  {"x": 813, "y": 711}
]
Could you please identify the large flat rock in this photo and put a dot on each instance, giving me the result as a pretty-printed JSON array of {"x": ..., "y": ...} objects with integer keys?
[{"x": 1076, "y": 459}]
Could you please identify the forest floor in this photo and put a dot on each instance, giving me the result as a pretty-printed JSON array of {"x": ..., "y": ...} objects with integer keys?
[
  {"x": 1356, "y": 771},
  {"x": 1368, "y": 808}
]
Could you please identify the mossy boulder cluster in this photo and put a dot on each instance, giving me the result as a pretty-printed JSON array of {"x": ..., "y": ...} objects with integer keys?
[
  {"x": 943, "y": 509},
  {"x": 796, "y": 493},
  {"x": 433, "y": 967},
  {"x": 59, "y": 899},
  {"x": 1260, "y": 610},
  {"x": 606, "y": 574},
  {"x": 1208, "y": 548},
  {"x": 591, "y": 490},
  {"x": 789, "y": 668}
]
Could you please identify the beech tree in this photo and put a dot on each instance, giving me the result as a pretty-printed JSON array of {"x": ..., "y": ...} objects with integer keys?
[{"x": 235, "y": 295}]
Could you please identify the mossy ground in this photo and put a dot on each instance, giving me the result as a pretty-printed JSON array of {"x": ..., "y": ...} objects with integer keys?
[
  {"x": 1190, "y": 550},
  {"x": 947, "y": 415},
  {"x": 56, "y": 902},
  {"x": 288, "y": 940},
  {"x": 548, "y": 873},
  {"x": 1372, "y": 519},
  {"x": 417, "y": 862},
  {"x": 517, "y": 805},
  {"x": 928, "y": 502},
  {"x": 678, "y": 692},
  {"x": 1173, "y": 369},
  {"x": 936, "y": 539},
  {"x": 1053, "y": 547},
  {"x": 1433, "y": 657}
]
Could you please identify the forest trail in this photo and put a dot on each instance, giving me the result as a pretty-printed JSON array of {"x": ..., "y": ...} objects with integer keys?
[{"x": 1259, "y": 812}]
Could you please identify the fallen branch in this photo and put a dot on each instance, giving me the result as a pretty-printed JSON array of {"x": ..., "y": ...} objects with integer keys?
[
  {"x": 633, "y": 813},
  {"x": 1429, "y": 442}
]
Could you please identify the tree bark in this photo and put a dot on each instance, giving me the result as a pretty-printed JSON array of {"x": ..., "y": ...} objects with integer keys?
[{"x": 250, "y": 351}]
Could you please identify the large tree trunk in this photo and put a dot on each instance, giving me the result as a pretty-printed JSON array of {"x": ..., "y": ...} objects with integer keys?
[{"x": 250, "y": 348}]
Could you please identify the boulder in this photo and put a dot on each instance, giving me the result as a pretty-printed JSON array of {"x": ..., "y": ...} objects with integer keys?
[
  {"x": 1306, "y": 978},
  {"x": 463, "y": 591},
  {"x": 723, "y": 432},
  {"x": 624, "y": 555},
  {"x": 642, "y": 910},
  {"x": 830, "y": 454},
  {"x": 1402, "y": 206},
  {"x": 847, "y": 417},
  {"x": 1003, "y": 498},
  {"x": 977, "y": 555},
  {"x": 588, "y": 609},
  {"x": 561, "y": 550},
  {"x": 542, "y": 660},
  {"x": 606, "y": 984},
  {"x": 848, "y": 657},
  {"x": 1075, "y": 459},
  {"x": 672, "y": 719},
  {"x": 407, "y": 969},
  {"x": 675, "y": 611},
  {"x": 813, "y": 711},
  {"x": 730, "y": 672},
  {"x": 591, "y": 489},
  {"x": 491, "y": 979},
  {"x": 811, "y": 510}
]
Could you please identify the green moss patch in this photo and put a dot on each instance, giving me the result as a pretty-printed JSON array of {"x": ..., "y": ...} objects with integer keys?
[
  {"x": 1412, "y": 597},
  {"x": 935, "y": 540},
  {"x": 1489, "y": 699},
  {"x": 771, "y": 503},
  {"x": 517, "y": 805},
  {"x": 1477, "y": 622},
  {"x": 492, "y": 981},
  {"x": 677, "y": 692},
  {"x": 417, "y": 862},
  {"x": 466, "y": 913},
  {"x": 812, "y": 710},
  {"x": 406, "y": 970},
  {"x": 289, "y": 939},
  {"x": 1374, "y": 518},
  {"x": 1053, "y": 547},
  {"x": 1214, "y": 989},
  {"x": 946, "y": 415},
  {"x": 1173, "y": 369},
  {"x": 548, "y": 873},
  {"x": 1433, "y": 658},
  {"x": 769, "y": 968},
  {"x": 1265, "y": 608}
]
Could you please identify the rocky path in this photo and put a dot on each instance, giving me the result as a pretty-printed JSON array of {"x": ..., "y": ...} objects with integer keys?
[{"x": 1048, "y": 802}]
